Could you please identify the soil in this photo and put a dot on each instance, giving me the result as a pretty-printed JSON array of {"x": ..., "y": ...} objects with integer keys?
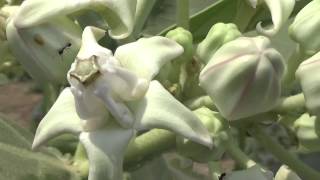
[{"x": 18, "y": 101}]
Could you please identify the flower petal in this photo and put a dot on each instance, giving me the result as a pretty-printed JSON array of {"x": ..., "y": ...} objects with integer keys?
[
  {"x": 280, "y": 12},
  {"x": 105, "y": 149},
  {"x": 146, "y": 56},
  {"x": 159, "y": 109},
  {"x": 61, "y": 118},
  {"x": 46, "y": 51},
  {"x": 119, "y": 14}
]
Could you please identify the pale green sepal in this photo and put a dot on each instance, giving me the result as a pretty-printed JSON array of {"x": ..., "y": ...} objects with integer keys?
[
  {"x": 105, "y": 149},
  {"x": 159, "y": 109},
  {"x": 218, "y": 35},
  {"x": 46, "y": 51},
  {"x": 61, "y": 118},
  {"x": 285, "y": 173},
  {"x": 309, "y": 77},
  {"x": 254, "y": 173},
  {"x": 306, "y": 26},
  {"x": 146, "y": 56},
  {"x": 307, "y": 130},
  {"x": 119, "y": 14},
  {"x": 280, "y": 13}
]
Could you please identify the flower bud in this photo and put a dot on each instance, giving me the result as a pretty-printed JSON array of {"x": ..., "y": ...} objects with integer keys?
[
  {"x": 185, "y": 39},
  {"x": 284, "y": 173},
  {"x": 305, "y": 27},
  {"x": 309, "y": 78},
  {"x": 243, "y": 77},
  {"x": 218, "y": 35},
  {"x": 46, "y": 51},
  {"x": 306, "y": 128},
  {"x": 198, "y": 152},
  {"x": 280, "y": 12}
]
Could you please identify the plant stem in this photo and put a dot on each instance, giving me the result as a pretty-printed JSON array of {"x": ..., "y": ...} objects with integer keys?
[
  {"x": 238, "y": 155},
  {"x": 148, "y": 145},
  {"x": 199, "y": 102},
  {"x": 293, "y": 63},
  {"x": 289, "y": 104},
  {"x": 183, "y": 13},
  {"x": 286, "y": 157}
]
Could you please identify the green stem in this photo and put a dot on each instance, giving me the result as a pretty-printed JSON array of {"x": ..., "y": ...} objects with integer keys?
[
  {"x": 238, "y": 155},
  {"x": 200, "y": 102},
  {"x": 183, "y": 13},
  {"x": 284, "y": 155},
  {"x": 80, "y": 161},
  {"x": 232, "y": 148},
  {"x": 289, "y": 104},
  {"x": 148, "y": 145},
  {"x": 293, "y": 63}
]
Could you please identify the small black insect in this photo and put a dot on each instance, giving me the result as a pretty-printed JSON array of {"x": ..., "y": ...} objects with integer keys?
[
  {"x": 222, "y": 176},
  {"x": 60, "y": 51}
]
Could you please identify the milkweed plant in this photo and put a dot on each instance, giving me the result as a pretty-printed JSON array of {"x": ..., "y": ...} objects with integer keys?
[{"x": 198, "y": 88}]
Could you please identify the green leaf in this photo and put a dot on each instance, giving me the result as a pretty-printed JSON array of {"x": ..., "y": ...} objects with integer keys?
[
  {"x": 163, "y": 14},
  {"x": 18, "y": 162}
]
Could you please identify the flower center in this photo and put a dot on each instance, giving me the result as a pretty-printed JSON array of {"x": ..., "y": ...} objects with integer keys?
[{"x": 86, "y": 70}]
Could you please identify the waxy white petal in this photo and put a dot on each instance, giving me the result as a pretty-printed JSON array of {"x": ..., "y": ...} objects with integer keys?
[
  {"x": 46, "y": 51},
  {"x": 119, "y": 14},
  {"x": 280, "y": 13},
  {"x": 159, "y": 109},
  {"x": 146, "y": 56},
  {"x": 61, "y": 118},
  {"x": 105, "y": 149}
]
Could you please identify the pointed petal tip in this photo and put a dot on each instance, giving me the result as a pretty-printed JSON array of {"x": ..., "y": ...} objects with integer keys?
[{"x": 267, "y": 32}]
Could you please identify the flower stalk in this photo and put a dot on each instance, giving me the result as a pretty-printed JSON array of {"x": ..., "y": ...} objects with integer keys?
[
  {"x": 283, "y": 155},
  {"x": 183, "y": 13}
]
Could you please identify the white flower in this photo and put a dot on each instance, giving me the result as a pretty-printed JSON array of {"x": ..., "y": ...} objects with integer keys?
[{"x": 119, "y": 84}]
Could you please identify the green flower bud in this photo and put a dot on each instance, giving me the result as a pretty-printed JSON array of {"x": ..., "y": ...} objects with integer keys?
[
  {"x": 284, "y": 173},
  {"x": 306, "y": 26},
  {"x": 46, "y": 51},
  {"x": 243, "y": 77},
  {"x": 198, "y": 152},
  {"x": 185, "y": 39},
  {"x": 218, "y": 35},
  {"x": 306, "y": 128},
  {"x": 309, "y": 78}
]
